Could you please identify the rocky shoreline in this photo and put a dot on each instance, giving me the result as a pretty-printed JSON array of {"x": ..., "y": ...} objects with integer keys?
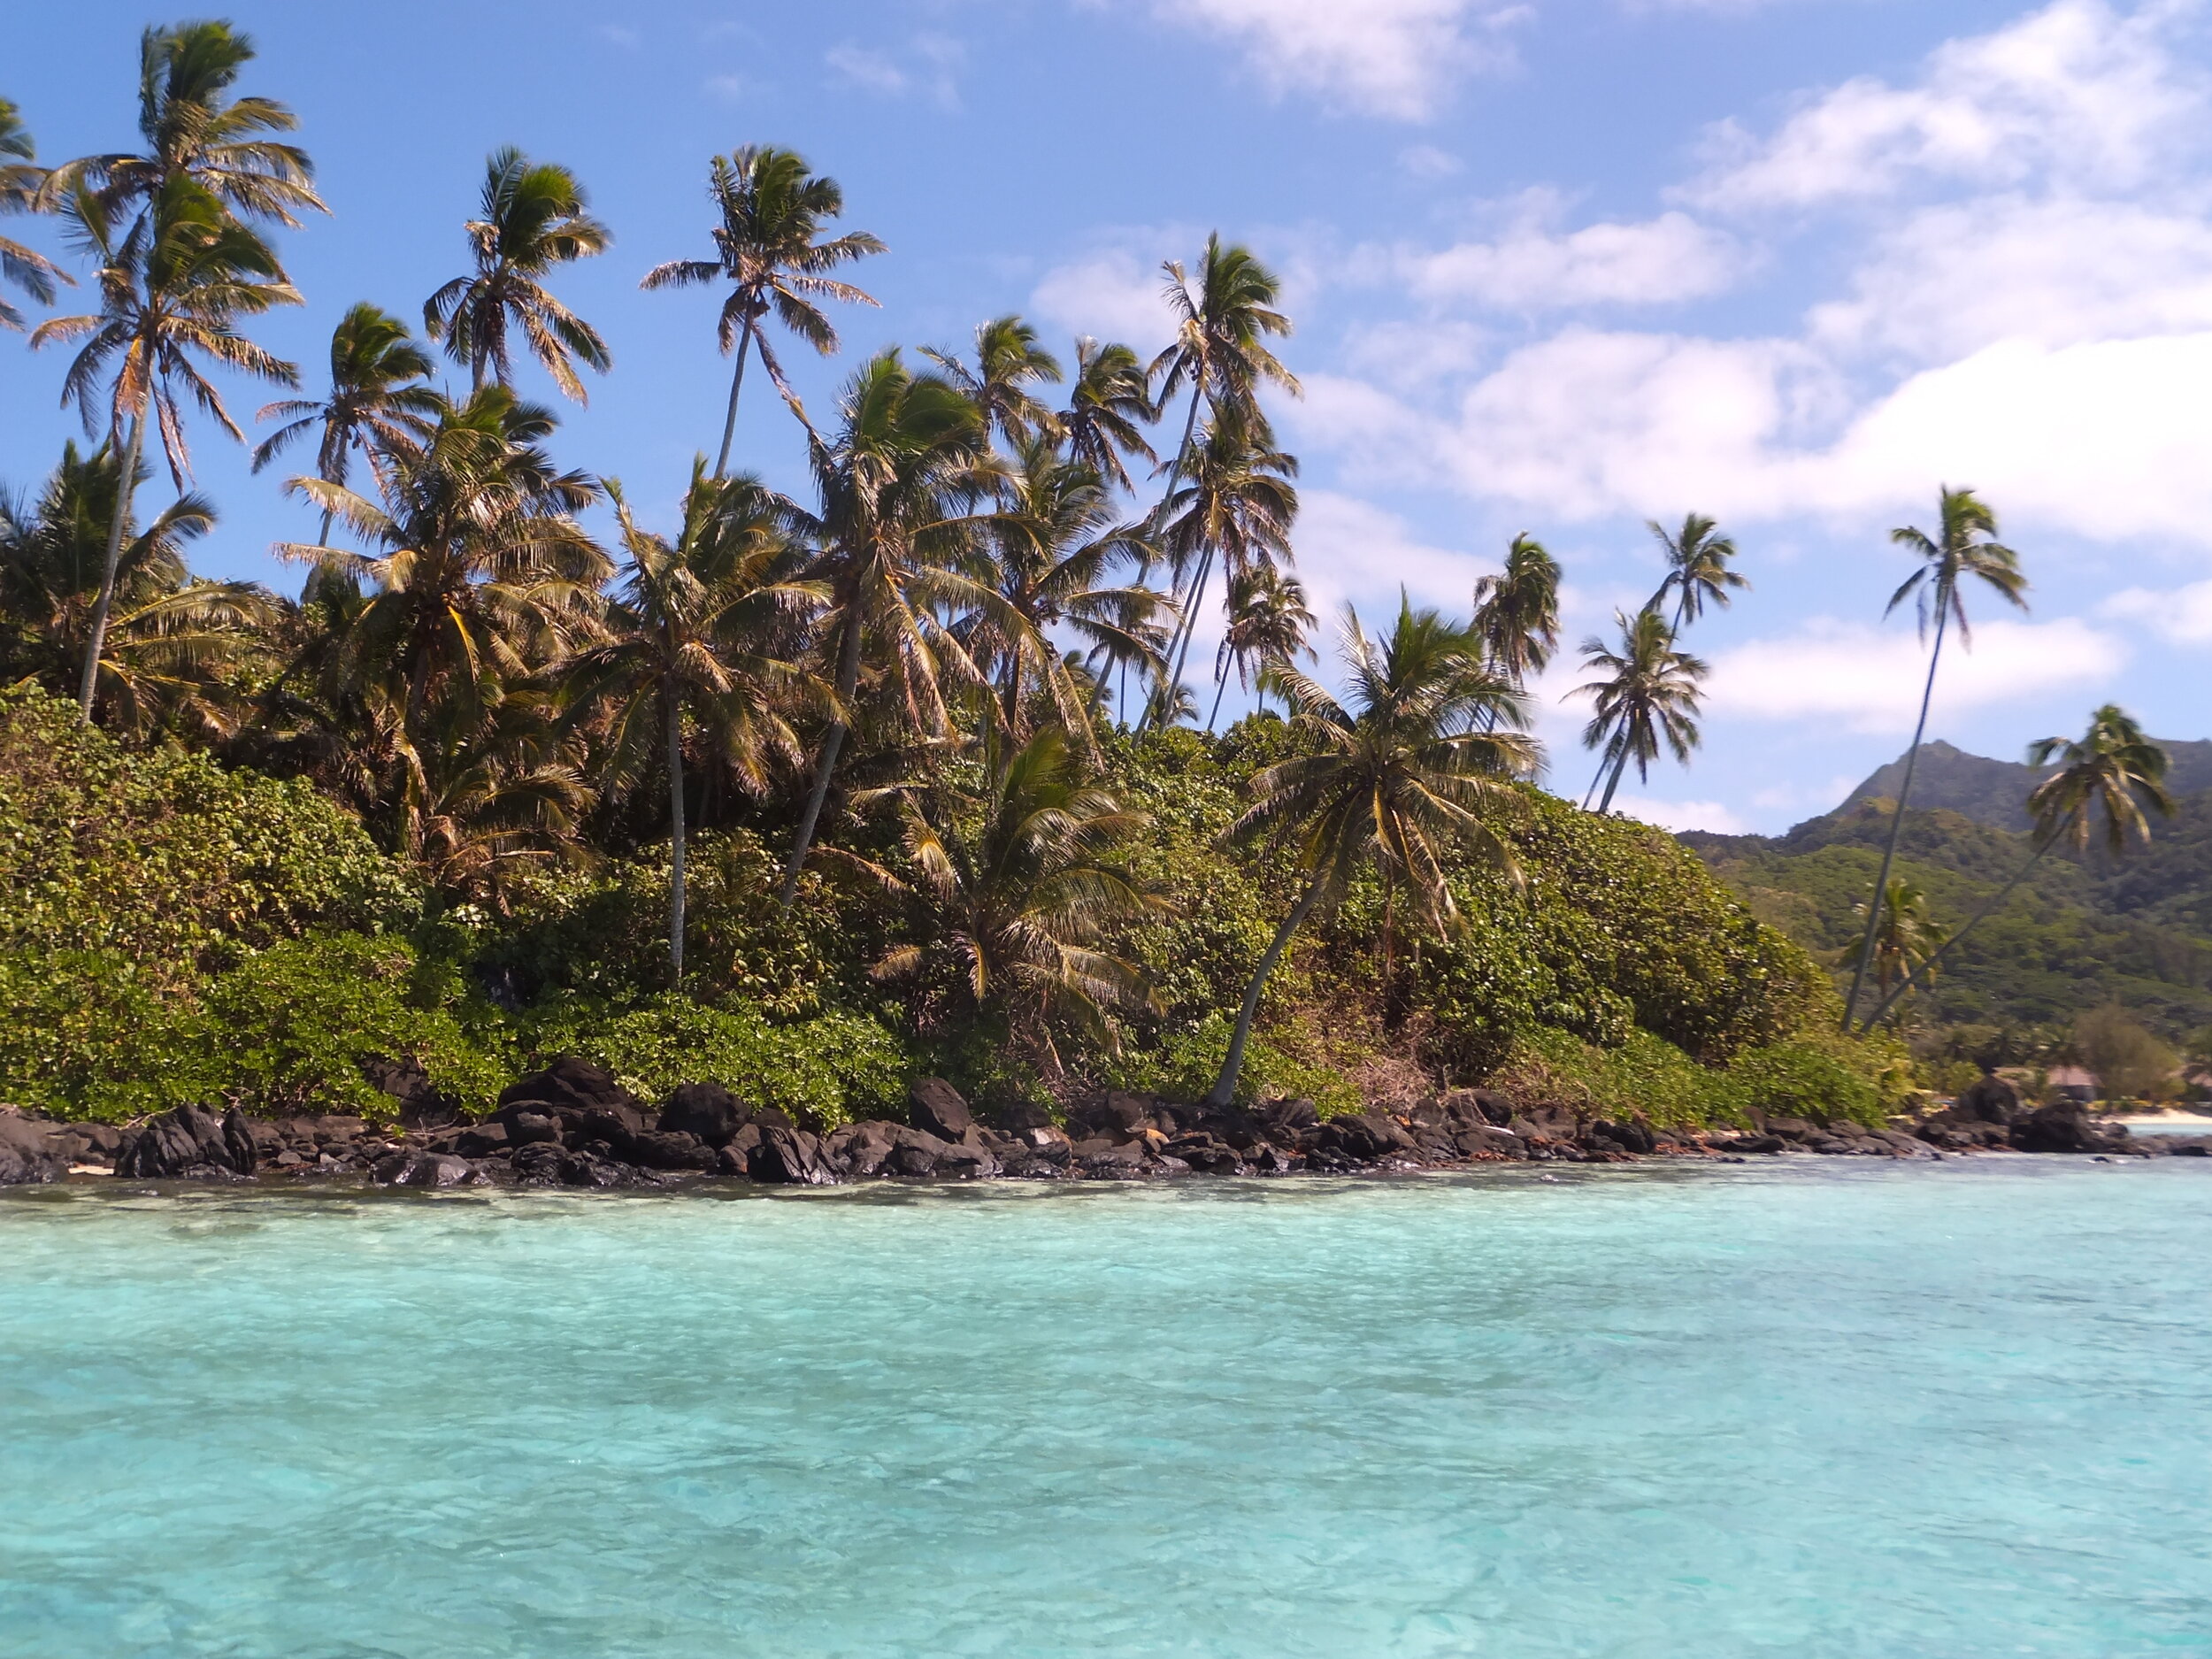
[{"x": 574, "y": 1126}]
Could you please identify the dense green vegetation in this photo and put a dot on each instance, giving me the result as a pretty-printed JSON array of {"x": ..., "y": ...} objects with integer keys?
[{"x": 803, "y": 795}]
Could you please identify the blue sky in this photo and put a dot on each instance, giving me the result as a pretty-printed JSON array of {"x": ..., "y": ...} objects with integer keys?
[{"x": 1560, "y": 266}]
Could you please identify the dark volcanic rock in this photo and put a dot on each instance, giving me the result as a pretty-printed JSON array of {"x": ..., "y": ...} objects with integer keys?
[
  {"x": 28, "y": 1155},
  {"x": 662, "y": 1149},
  {"x": 421, "y": 1106},
  {"x": 425, "y": 1169},
  {"x": 1989, "y": 1099},
  {"x": 935, "y": 1105},
  {"x": 790, "y": 1157},
  {"x": 707, "y": 1111},
  {"x": 188, "y": 1142},
  {"x": 2065, "y": 1126}
]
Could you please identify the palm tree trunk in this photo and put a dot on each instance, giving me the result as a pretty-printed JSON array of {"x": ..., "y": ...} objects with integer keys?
[
  {"x": 1224, "y": 1086},
  {"x": 1198, "y": 597},
  {"x": 1938, "y": 953},
  {"x": 1897, "y": 824},
  {"x": 1221, "y": 690},
  {"x": 833, "y": 741},
  {"x": 737, "y": 384},
  {"x": 1620, "y": 767},
  {"x": 1180, "y": 639},
  {"x": 126, "y": 489},
  {"x": 676, "y": 840},
  {"x": 322, "y": 537}
]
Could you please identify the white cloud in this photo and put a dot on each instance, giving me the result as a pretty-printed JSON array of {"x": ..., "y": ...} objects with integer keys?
[
  {"x": 2077, "y": 91},
  {"x": 1681, "y": 815},
  {"x": 1350, "y": 548},
  {"x": 1113, "y": 296},
  {"x": 930, "y": 66},
  {"x": 2183, "y": 617},
  {"x": 1427, "y": 161},
  {"x": 870, "y": 71},
  {"x": 1390, "y": 58},
  {"x": 1531, "y": 268},
  {"x": 1870, "y": 678}
]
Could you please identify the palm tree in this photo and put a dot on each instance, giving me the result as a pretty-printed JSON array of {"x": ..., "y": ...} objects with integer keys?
[
  {"x": 1108, "y": 403},
  {"x": 769, "y": 247},
  {"x": 1649, "y": 698},
  {"x": 533, "y": 219},
  {"x": 2112, "y": 765},
  {"x": 194, "y": 130},
  {"x": 688, "y": 625},
  {"x": 1008, "y": 362},
  {"x": 1053, "y": 540},
  {"x": 898, "y": 485},
  {"x": 485, "y": 573},
  {"x": 1238, "y": 504},
  {"x": 1907, "y": 942},
  {"x": 1697, "y": 569},
  {"x": 1963, "y": 547},
  {"x": 173, "y": 290},
  {"x": 1268, "y": 623},
  {"x": 19, "y": 182},
  {"x": 377, "y": 403},
  {"x": 1220, "y": 351},
  {"x": 1410, "y": 765},
  {"x": 1517, "y": 611},
  {"x": 170, "y": 643},
  {"x": 1013, "y": 888}
]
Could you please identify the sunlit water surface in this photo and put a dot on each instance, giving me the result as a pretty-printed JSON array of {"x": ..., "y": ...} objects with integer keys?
[{"x": 1808, "y": 1408}]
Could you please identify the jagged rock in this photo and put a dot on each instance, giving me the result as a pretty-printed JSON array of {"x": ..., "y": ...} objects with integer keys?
[
  {"x": 421, "y": 1104},
  {"x": 862, "y": 1149},
  {"x": 1284, "y": 1120},
  {"x": 659, "y": 1150},
  {"x": 2065, "y": 1126},
  {"x": 1634, "y": 1135},
  {"x": 790, "y": 1157},
  {"x": 1203, "y": 1152},
  {"x": 1362, "y": 1137},
  {"x": 482, "y": 1140},
  {"x": 186, "y": 1141},
  {"x": 1753, "y": 1144},
  {"x": 1988, "y": 1099},
  {"x": 539, "y": 1164},
  {"x": 1485, "y": 1141},
  {"x": 28, "y": 1153},
  {"x": 425, "y": 1169},
  {"x": 707, "y": 1111},
  {"x": 935, "y": 1106}
]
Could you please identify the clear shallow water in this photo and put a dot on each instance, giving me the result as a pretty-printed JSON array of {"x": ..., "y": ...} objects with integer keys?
[{"x": 1814, "y": 1409}]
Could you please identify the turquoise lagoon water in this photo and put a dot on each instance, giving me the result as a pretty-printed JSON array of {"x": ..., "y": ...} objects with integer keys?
[{"x": 1805, "y": 1408}]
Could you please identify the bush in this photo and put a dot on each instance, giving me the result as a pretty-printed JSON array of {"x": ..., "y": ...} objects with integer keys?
[
  {"x": 89, "y": 1034},
  {"x": 1183, "y": 1067},
  {"x": 1818, "y": 1076}
]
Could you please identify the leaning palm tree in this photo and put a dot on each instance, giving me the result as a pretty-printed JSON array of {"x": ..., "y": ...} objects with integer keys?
[
  {"x": 1964, "y": 546},
  {"x": 1008, "y": 362},
  {"x": 533, "y": 221},
  {"x": 2112, "y": 766},
  {"x": 172, "y": 645},
  {"x": 1697, "y": 569},
  {"x": 20, "y": 179},
  {"x": 194, "y": 129},
  {"x": 1907, "y": 942},
  {"x": 377, "y": 403},
  {"x": 173, "y": 290},
  {"x": 1517, "y": 611},
  {"x": 1110, "y": 402},
  {"x": 1012, "y": 887},
  {"x": 1413, "y": 764},
  {"x": 771, "y": 249},
  {"x": 690, "y": 631},
  {"x": 1648, "y": 700},
  {"x": 1268, "y": 624},
  {"x": 898, "y": 485}
]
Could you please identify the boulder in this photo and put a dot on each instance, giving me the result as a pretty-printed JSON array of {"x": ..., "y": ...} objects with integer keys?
[
  {"x": 707, "y": 1111},
  {"x": 935, "y": 1106},
  {"x": 790, "y": 1157},
  {"x": 425, "y": 1169},
  {"x": 421, "y": 1104},
  {"x": 188, "y": 1142},
  {"x": 668, "y": 1150},
  {"x": 539, "y": 1164},
  {"x": 1988, "y": 1099},
  {"x": 1635, "y": 1135},
  {"x": 2063, "y": 1126},
  {"x": 1486, "y": 1141},
  {"x": 1204, "y": 1153},
  {"x": 28, "y": 1155},
  {"x": 861, "y": 1150},
  {"x": 1283, "y": 1119},
  {"x": 1753, "y": 1144},
  {"x": 482, "y": 1140},
  {"x": 615, "y": 1124},
  {"x": 1362, "y": 1137},
  {"x": 1470, "y": 1106}
]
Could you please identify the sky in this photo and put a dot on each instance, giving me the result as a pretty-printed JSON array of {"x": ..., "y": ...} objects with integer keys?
[{"x": 1559, "y": 266}]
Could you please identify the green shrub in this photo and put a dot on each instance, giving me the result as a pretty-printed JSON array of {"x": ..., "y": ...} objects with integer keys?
[
  {"x": 90, "y": 1034},
  {"x": 1183, "y": 1067}
]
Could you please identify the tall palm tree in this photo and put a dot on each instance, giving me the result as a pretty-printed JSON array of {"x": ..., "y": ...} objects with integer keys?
[
  {"x": 1221, "y": 322},
  {"x": 171, "y": 642},
  {"x": 770, "y": 248},
  {"x": 1013, "y": 886},
  {"x": 898, "y": 485},
  {"x": 1697, "y": 569},
  {"x": 377, "y": 403},
  {"x": 691, "y": 628},
  {"x": 1110, "y": 403},
  {"x": 20, "y": 179},
  {"x": 194, "y": 129},
  {"x": 1411, "y": 764},
  {"x": 2112, "y": 766},
  {"x": 1268, "y": 624},
  {"x": 1907, "y": 942},
  {"x": 1517, "y": 611},
  {"x": 1648, "y": 699},
  {"x": 173, "y": 290},
  {"x": 1053, "y": 542},
  {"x": 533, "y": 219},
  {"x": 484, "y": 573},
  {"x": 1008, "y": 362},
  {"x": 1964, "y": 547},
  {"x": 1238, "y": 504}
]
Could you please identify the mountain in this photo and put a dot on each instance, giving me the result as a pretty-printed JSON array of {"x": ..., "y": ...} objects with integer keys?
[{"x": 1996, "y": 792}]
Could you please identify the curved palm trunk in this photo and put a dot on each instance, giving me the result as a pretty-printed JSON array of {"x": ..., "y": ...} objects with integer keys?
[
  {"x": 737, "y": 385},
  {"x": 1180, "y": 638},
  {"x": 126, "y": 491},
  {"x": 1973, "y": 921},
  {"x": 1224, "y": 1086},
  {"x": 1173, "y": 683},
  {"x": 833, "y": 741},
  {"x": 1897, "y": 824},
  {"x": 1221, "y": 690},
  {"x": 676, "y": 843},
  {"x": 1620, "y": 768}
]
